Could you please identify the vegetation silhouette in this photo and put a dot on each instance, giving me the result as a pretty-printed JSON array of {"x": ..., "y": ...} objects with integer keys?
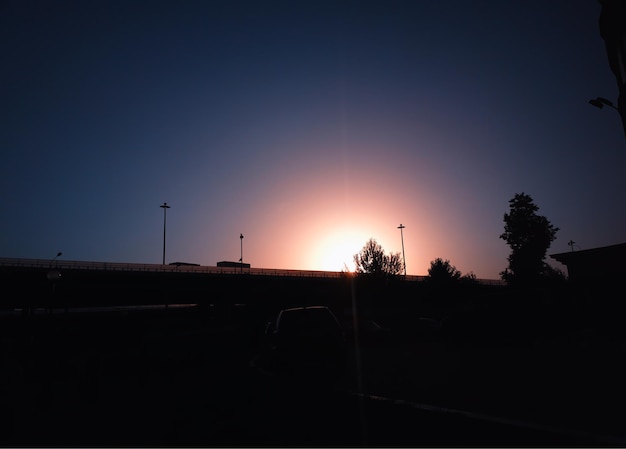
[
  {"x": 373, "y": 261},
  {"x": 442, "y": 273},
  {"x": 529, "y": 235}
]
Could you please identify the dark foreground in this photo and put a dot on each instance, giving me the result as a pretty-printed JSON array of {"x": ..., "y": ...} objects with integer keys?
[{"x": 184, "y": 378}]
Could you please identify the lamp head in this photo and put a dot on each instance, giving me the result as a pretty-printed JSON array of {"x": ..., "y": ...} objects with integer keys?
[
  {"x": 600, "y": 102},
  {"x": 596, "y": 103}
]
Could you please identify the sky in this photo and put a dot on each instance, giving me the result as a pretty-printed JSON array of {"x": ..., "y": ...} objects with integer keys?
[{"x": 307, "y": 126}]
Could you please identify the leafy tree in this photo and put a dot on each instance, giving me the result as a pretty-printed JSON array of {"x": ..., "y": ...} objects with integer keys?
[
  {"x": 442, "y": 272},
  {"x": 469, "y": 278},
  {"x": 553, "y": 275},
  {"x": 529, "y": 235},
  {"x": 373, "y": 260}
]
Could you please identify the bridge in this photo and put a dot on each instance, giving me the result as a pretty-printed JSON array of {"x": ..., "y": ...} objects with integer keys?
[{"x": 183, "y": 268}]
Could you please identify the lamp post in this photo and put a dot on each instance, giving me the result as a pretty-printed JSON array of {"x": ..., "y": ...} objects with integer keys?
[
  {"x": 600, "y": 102},
  {"x": 165, "y": 208},
  {"x": 53, "y": 276},
  {"x": 241, "y": 249},
  {"x": 401, "y": 227}
]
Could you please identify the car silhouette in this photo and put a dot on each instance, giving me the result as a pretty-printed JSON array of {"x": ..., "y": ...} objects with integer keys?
[
  {"x": 367, "y": 332},
  {"x": 306, "y": 340}
]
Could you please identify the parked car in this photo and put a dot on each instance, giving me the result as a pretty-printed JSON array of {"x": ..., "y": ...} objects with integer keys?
[
  {"x": 308, "y": 339},
  {"x": 367, "y": 332},
  {"x": 428, "y": 327}
]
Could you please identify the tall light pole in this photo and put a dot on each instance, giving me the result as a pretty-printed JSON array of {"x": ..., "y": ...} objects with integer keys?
[
  {"x": 601, "y": 102},
  {"x": 59, "y": 254},
  {"x": 165, "y": 208},
  {"x": 401, "y": 227},
  {"x": 241, "y": 249},
  {"x": 53, "y": 276}
]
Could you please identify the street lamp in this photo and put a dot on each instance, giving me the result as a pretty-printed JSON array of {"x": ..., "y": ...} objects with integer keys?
[
  {"x": 401, "y": 227},
  {"x": 53, "y": 276},
  {"x": 600, "y": 102},
  {"x": 165, "y": 208},
  {"x": 59, "y": 254},
  {"x": 241, "y": 249}
]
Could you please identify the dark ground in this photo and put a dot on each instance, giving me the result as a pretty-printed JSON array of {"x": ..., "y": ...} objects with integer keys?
[{"x": 185, "y": 377}]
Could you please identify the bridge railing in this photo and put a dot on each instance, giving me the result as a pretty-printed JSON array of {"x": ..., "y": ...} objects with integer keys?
[{"x": 143, "y": 267}]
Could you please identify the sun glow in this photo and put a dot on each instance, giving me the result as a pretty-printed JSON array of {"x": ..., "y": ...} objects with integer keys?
[{"x": 336, "y": 250}]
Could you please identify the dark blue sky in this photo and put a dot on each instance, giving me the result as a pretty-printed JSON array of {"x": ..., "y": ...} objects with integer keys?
[{"x": 308, "y": 126}]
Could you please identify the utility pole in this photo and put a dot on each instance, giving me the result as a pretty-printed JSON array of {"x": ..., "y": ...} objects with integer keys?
[
  {"x": 571, "y": 243},
  {"x": 241, "y": 258},
  {"x": 401, "y": 227},
  {"x": 165, "y": 208}
]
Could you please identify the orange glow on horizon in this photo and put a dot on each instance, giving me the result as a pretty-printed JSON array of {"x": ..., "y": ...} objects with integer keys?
[
  {"x": 318, "y": 220},
  {"x": 336, "y": 249}
]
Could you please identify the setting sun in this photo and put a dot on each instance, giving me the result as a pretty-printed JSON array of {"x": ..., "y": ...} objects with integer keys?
[{"x": 336, "y": 250}]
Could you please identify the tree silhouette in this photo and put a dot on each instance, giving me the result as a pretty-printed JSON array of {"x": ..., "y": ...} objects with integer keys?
[
  {"x": 469, "y": 279},
  {"x": 442, "y": 272},
  {"x": 553, "y": 275},
  {"x": 373, "y": 260},
  {"x": 529, "y": 235}
]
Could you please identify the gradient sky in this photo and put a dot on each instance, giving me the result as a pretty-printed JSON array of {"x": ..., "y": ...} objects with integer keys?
[{"x": 308, "y": 126}]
